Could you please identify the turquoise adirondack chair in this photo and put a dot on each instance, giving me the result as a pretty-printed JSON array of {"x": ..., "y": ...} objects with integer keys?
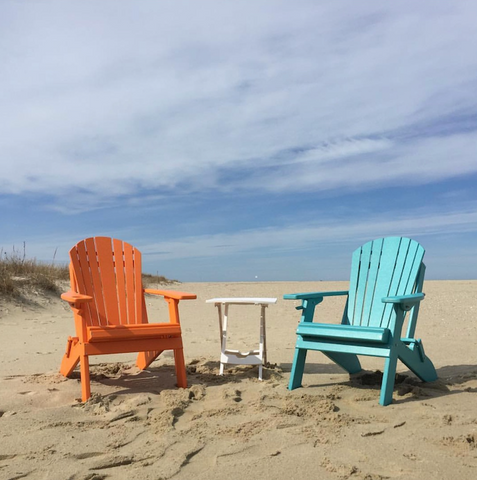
[{"x": 386, "y": 283}]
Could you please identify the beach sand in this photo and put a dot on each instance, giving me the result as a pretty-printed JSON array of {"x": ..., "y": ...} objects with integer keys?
[{"x": 138, "y": 425}]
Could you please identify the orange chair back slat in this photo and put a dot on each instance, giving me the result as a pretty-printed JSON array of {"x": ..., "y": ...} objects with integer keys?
[
  {"x": 120, "y": 280},
  {"x": 130, "y": 281},
  {"x": 144, "y": 311},
  {"x": 139, "y": 298}
]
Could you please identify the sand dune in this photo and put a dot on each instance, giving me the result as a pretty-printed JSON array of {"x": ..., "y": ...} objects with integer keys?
[{"x": 137, "y": 425}]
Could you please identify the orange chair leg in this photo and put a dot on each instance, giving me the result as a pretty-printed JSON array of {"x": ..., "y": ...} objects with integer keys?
[
  {"x": 180, "y": 367},
  {"x": 71, "y": 358},
  {"x": 144, "y": 359},
  {"x": 85, "y": 380}
]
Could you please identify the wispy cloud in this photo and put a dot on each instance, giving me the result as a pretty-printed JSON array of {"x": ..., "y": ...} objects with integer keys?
[
  {"x": 303, "y": 236},
  {"x": 367, "y": 164}
]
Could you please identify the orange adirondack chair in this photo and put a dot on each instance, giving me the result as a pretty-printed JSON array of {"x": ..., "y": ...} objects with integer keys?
[{"x": 107, "y": 299}]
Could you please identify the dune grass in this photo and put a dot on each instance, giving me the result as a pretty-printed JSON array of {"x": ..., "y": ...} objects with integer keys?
[
  {"x": 19, "y": 274},
  {"x": 149, "y": 280}
]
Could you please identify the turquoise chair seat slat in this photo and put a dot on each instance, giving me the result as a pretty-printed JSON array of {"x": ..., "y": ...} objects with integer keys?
[
  {"x": 386, "y": 281},
  {"x": 345, "y": 333}
]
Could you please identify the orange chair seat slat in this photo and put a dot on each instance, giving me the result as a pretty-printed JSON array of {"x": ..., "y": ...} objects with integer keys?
[{"x": 144, "y": 330}]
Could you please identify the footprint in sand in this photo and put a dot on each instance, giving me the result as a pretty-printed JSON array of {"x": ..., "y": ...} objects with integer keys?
[
  {"x": 83, "y": 456},
  {"x": 7, "y": 413},
  {"x": 111, "y": 461},
  {"x": 6, "y": 457},
  {"x": 233, "y": 394}
]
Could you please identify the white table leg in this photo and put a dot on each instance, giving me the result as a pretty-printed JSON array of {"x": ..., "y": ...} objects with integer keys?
[
  {"x": 223, "y": 319},
  {"x": 263, "y": 334}
]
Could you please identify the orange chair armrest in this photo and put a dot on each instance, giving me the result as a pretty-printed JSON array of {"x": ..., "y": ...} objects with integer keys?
[
  {"x": 73, "y": 297},
  {"x": 171, "y": 294}
]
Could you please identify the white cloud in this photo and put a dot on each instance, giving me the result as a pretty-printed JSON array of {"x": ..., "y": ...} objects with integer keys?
[{"x": 114, "y": 98}]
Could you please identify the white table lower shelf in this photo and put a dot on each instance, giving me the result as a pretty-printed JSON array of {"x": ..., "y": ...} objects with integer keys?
[{"x": 236, "y": 357}]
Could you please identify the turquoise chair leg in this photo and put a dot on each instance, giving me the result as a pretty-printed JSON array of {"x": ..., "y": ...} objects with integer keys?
[
  {"x": 348, "y": 361},
  {"x": 416, "y": 360},
  {"x": 424, "y": 370},
  {"x": 389, "y": 376},
  {"x": 297, "y": 368}
]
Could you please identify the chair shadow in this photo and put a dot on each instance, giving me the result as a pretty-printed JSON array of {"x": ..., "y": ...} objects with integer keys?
[
  {"x": 328, "y": 368},
  {"x": 405, "y": 382},
  {"x": 156, "y": 379},
  {"x": 452, "y": 375}
]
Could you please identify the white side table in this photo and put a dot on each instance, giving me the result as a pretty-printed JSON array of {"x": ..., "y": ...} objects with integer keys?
[{"x": 236, "y": 357}]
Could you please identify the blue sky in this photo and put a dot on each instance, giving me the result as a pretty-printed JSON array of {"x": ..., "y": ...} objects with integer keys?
[{"x": 240, "y": 141}]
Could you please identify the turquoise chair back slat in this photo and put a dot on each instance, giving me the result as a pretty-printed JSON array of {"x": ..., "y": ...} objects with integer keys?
[
  {"x": 411, "y": 328},
  {"x": 382, "y": 268}
]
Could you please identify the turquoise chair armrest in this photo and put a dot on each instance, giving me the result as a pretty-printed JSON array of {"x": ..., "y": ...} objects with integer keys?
[
  {"x": 406, "y": 302},
  {"x": 312, "y": 295}
]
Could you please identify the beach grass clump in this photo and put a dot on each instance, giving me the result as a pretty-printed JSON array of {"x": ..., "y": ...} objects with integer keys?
[
  {"x": 149, "y": 280},
  {"x": 19, "y": 273}
]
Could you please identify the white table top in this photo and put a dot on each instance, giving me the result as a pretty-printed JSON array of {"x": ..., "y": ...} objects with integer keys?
[{"x": 243, "y": 301}]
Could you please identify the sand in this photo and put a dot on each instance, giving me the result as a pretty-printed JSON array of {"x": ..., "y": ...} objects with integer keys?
[{"x": 138, "y": 425}]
